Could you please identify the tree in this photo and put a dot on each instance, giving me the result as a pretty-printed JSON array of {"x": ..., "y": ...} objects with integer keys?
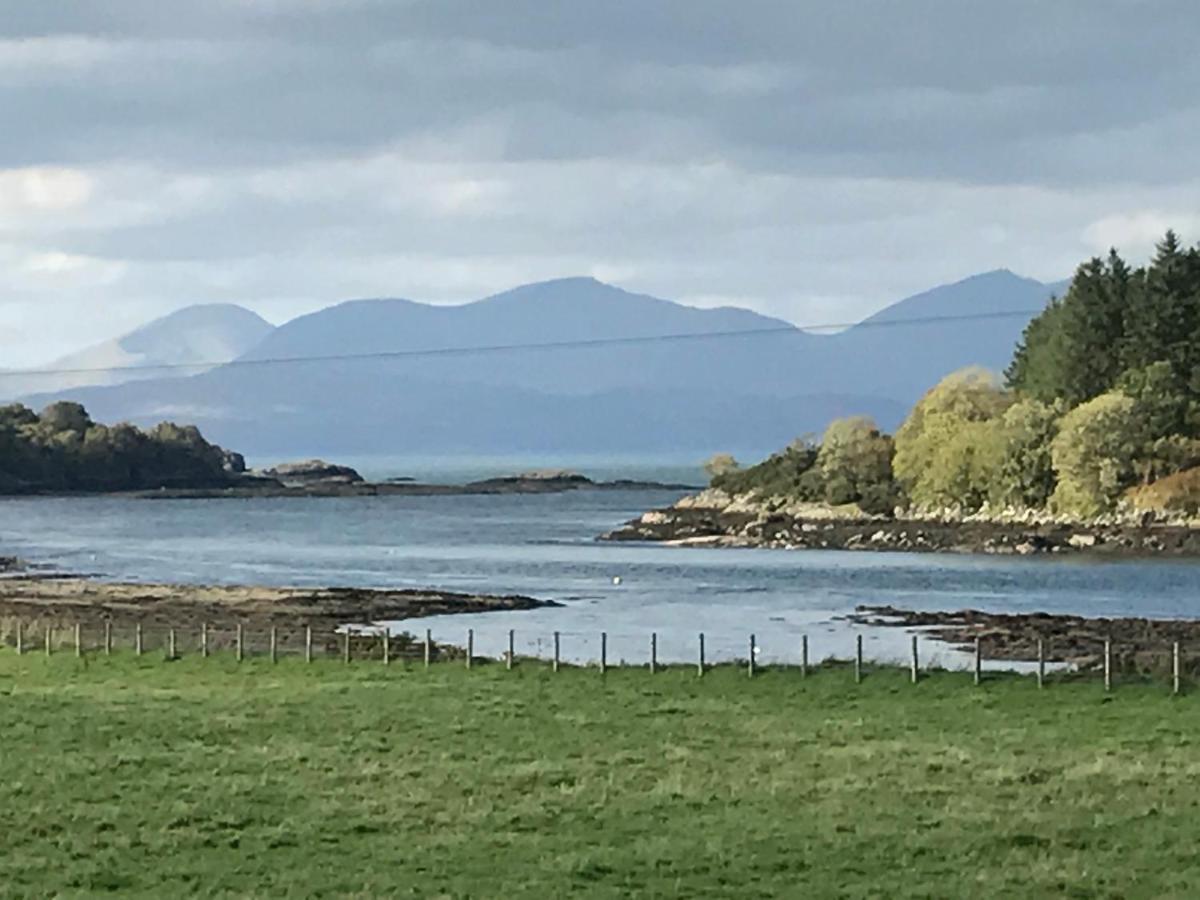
[
  {"x": 949, "y": 446},
  {"x": 1094, "y": 454},
  {"x": 1024, "y": 476},
  {"x": 720, "y": 464},
  {"x": 855, "y": 462}
]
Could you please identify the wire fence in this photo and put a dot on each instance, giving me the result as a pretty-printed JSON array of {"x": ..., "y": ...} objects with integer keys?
[{"x": 601, "y": 650}]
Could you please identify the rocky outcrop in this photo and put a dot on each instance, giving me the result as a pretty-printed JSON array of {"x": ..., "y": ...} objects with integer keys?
[
  {"x": 713, "y": 519},
  {"x": 308, "y": 472}
]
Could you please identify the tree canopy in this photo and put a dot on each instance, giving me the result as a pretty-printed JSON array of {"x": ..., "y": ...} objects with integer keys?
[{"x": 62, "y": 449}]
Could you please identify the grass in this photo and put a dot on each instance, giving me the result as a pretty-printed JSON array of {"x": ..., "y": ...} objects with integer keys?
[{"x": 141, "y": 777}]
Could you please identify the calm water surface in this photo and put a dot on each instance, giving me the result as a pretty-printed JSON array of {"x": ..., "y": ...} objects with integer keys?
[{"x": 544, "y": 546}]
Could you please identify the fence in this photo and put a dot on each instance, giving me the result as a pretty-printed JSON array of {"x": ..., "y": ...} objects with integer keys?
[{"x": 275, "y": 642}]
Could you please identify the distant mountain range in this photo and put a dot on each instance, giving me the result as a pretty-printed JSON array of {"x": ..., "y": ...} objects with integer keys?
[
  {"x": 630, "y": 373},
  {"x": 199, "y": 337}
]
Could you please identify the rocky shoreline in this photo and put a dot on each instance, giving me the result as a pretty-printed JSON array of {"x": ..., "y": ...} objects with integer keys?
[
  {"x": 63, "y": 602},
  {"x": 702, "y": 521},
  {"x": 1138, "y": 645}
]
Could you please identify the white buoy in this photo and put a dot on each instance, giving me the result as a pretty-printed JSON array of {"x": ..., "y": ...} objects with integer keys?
[{"x": 616, "y": 579}]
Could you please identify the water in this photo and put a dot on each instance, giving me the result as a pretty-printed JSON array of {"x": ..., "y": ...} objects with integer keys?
[{"x": 544, "y": 546}]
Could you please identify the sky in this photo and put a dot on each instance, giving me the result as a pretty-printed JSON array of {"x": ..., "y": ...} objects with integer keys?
[{"x": 813, "y": 161}]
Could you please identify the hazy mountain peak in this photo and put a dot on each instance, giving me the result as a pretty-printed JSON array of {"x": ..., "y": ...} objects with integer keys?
[{"x": 200, "y": 337}]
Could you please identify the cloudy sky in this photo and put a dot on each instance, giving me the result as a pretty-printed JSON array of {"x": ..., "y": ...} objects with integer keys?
[{"x": 810, "y": 160}]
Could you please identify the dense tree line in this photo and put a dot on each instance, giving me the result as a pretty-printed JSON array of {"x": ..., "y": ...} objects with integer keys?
[
  {"x": 62, "y": 449},
  {"x": 1100, "y": 398}
]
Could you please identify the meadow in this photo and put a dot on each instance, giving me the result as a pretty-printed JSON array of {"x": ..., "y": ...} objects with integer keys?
[{"x": 139, "y": 776}]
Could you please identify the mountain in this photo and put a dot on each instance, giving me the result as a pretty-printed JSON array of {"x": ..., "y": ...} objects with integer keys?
[
  {"x": 622, "y": 372},
  {"x": 200, "y": 337}
]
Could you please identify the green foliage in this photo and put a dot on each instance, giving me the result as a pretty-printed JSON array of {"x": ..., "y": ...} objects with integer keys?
[
  {"x": 951, "y": 445},
  {"x": 790, "y": 473},
  {"x": 855, "y": 463},
  {"x": 1094, "y": 454},
  {"x": 1024, "y": 475},
  {"x": 62, "y": 449}
]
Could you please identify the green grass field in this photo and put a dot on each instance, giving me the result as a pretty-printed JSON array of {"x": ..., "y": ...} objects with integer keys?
[{"x": 138, "y": 776}]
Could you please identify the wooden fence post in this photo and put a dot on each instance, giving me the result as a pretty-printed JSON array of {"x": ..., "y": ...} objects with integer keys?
[
  {"x": 20, "y": 637},
  {"x": 78, "y": 639},
  {"x": 170, "y": 643},
  {"x": 916, "y": 668},
  {"x": 387, "y": 647},
  {"x": 470, "y": 645},
  {"x": 274, "y": 644},
  {"x": 700, "y": 660},
  {"x": 511, "y": 649},
  {"x": 653, "y": 652},
  {"x": 49, "y": 632},
  {"x": 240, "y": 641},
  {"x": 750, "y": 662},
  {"x": 978, "y": 660},
  {"x": 555, "y": 668},
  {"x": 804, "y": 656},
  {"x": 137, "y": 638},
  {"x": 346, "y": 647},
  {"x": 204, "y": 640},
  {"x": 1107, "y": 664},
  {"x": 1041, "y": 661},
  {"x": 858, "y": 659},
  {"x": 603, "y": 652},
  {"x": 308, "y": 656},
  {"x": 1175, "y": 668},
  {"x": 428, "y": 647}
]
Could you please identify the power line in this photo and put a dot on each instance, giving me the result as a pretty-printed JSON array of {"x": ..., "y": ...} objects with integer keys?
[{"x": 583, "y": 343}]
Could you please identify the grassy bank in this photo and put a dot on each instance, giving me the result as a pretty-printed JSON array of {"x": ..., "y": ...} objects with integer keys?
[{"x": 139, "y": 776}]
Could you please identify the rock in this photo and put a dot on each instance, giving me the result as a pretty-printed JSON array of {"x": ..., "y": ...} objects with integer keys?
[
  {"x": 1080, "y": 541},
  {"x": 655, "y": 517},
  {"x": 312, "y": 471}
]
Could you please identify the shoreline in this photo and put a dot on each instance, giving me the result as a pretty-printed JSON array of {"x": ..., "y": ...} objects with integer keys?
[
  {"x": 689, "y": 524},
  {"x": 1138, "y": 644},
  {"x": 64, "y": 601}
]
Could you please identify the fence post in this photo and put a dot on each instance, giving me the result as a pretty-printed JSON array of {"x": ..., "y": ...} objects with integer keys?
[
  {"x": 804, "y": 656},
  {"x": 49, "y": 630},
  {"x": 171, "y": 643},
  {"x": 1108, "y": 664},
  {"x": 700, "y": 660},
  {"x": 428, "y": 647},
  {"x": 750, "y": 664},
  {"x": 858, "y": 659},
  {"x": 20, "y": 637},
  {"x": 240, "y": 641},
  {"x": 511, "y": 649},
  {"x": 555, "y": 651},
  {"x": 204, "y": 640},
  {"x": 470, "y": 645},
  {"x": 137, "y": 639},
  {"x": 78, "y": 639},
  {"x": 915, "y": 662},
  {"x": 1041, "y": 670},
  {"x": 308, "y": 643},
  {"x": 346, "y": 647},
  {"x": 603, "y": 652},
  {"x": 653, "y": 652},
  {"x": 978, "y": 661},
  {"x": 273, "y": 639},
  {"x": 1175, "y": 668},
  {"x": 387, "y": 647}
]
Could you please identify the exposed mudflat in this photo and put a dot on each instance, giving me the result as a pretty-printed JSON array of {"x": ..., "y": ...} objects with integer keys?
[{"x": 64, "y": 602}]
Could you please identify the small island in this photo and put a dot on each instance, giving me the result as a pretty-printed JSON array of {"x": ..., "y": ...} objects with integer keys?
[{"x": 1091, "y": 443}]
